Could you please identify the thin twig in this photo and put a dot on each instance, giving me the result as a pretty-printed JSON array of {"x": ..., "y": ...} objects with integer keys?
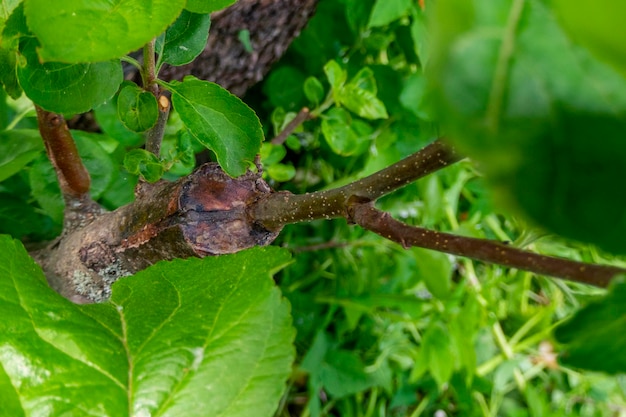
[
  {"x": 154, "y": 136},
  {"x": 370, "y": 218},
  {"x": 73, "y": 176},
  {"x": 149, "y": 70},
  {"x": 303, "y": 115},
  {"x": 278, "y": 209}
]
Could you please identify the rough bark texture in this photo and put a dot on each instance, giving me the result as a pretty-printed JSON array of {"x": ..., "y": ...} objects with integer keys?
[
  {"x": 201, "y": 214},
  {"x": 272, "y": 25}
]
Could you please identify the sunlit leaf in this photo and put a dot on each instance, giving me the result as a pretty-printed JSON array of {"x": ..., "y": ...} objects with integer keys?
[
  {"x": 95, "y": 31},
  {"x": 211, "y": 335},
  {"x": 220, "y": 121}
]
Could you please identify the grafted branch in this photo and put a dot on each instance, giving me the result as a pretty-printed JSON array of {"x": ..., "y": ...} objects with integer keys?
[
  {"x": 276, "y": 210},
  {"x": 370, "y": 218}
]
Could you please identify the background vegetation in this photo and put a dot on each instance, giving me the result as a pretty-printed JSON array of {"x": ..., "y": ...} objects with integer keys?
[{"x": 379, "y": 330}]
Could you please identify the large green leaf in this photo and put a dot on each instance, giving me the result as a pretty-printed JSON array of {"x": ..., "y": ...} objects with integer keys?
[
  {"x": 92, "y": 31},
  {"x": 68, "y": 88},
  {"x": 18, "y": 148},
  {"x": 207, "y": 6},
  {"x": 220, "y": 121},
  {"x": 545, "y": 120},
  {"x": 185, "y": 39},
  {"x": 202, "y": 337},
  {"x": 600, "y": 28},
  {"x": 598, "y": 327}
]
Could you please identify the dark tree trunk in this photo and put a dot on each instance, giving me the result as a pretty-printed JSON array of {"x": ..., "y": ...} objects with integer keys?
[{"x": 271, "y": 24}]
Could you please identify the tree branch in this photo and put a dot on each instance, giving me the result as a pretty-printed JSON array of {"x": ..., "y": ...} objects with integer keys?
[
  {"x": 154, "y": 136},
  {"x": 274, "y": 211},
  {"x": 303, "y": 115},
  {"x": 73, "y": 176},
  {"x": 381, "y": 223}
]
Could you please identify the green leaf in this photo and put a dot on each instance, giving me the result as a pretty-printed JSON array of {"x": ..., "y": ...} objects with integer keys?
[
  {"x": 6, "y": 8},
  {"x": 185, "y": 39},
  {"x": 207, "y": 6},
  {"x": 88, "y": 31},
  {"x": 600, "y": 28},
  {"x": 17, "y": 149},
  {"x": 545, "y": 120},
  {"x": 344, "y": 135},
  {"x": 284, "y": 88},
  {"x": 109, "y": 122},
  {"x": 313, "y": 90},
  {"x": 281, "y": 172},
  {"x": 13, "y": 28},
  {"x": 336, "y": 75},
  {"x": 211, "y": 335},
  {"x": 68, "y": 88},
  {"x": 359, "y": 96},
  {"x": 598, "y": 327},
  {"x": 438, "y": 353},
  {"x": 220, "y": 121},
  {"x": 386, "y": 11},
  {"x": 137, "y": 108},
  {"x": 45, "y": 188},
  {"x": 436, "y": 270},
  {"x": 144, "y": 163}
]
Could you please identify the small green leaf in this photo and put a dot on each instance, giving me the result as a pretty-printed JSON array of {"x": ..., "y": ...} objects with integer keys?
[
  {"x": 436, "y": 270},
  {"x": 438, "y": 353},
  {"x": 144, "y": 163},
  {"x": 272, "y": 154},
  {"x": 281, "y": 172},
  {"x": 45, "y": 188},
  {"x": 336, "y": 75},
  {"x": 217, "y": 328},
  {"x": 207, "y": 6},
  {"x": 313, "y": 90},
  {"x": 220, "y": 121},
  {"x": 185, "y": 39},
  {"x": 88, "y": 31},
  {"x": 344, "y": 135},
  {"x": 598, "y": 327},
  {"x": 137, "y": 108},
  {"x": 244, "y": 38},
  {"x": 359, "y": 96},
  {"x": 386, "y": 11},
  {"x": 17, "y": 149},
  {"x": 68, "y": 88},
  {"x": 362, "y": 102},
  {"x": 109, "y": 122}
]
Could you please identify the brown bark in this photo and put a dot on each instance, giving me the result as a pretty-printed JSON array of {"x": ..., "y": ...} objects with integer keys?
[
  {"x": 381, "y": 223},
  {"x": 272, "y": 25},
  {"x": 201, "y": 214}
]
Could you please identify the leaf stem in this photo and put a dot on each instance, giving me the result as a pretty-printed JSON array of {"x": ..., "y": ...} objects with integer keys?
[{"x": 379, "y": 222}]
